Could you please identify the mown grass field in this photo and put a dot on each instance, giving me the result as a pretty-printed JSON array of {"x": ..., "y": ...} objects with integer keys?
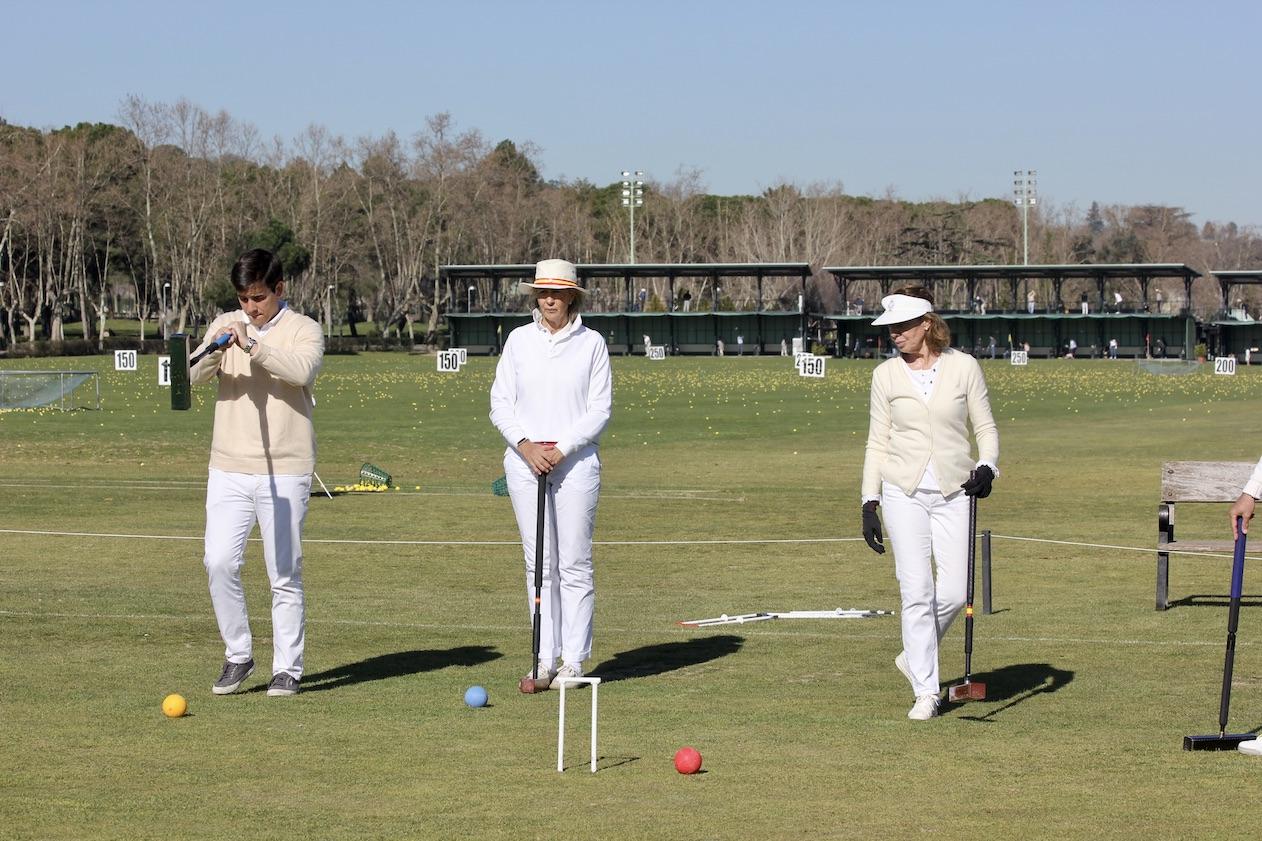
[{"x": 802, "y": 724}]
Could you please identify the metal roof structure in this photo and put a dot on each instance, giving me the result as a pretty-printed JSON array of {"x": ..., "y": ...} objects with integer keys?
[
  {"x": 1145, "y": 273},
  {"x": 1005, "y": 272},
  {"x": 496, "y": 274},
  {"x": 637, "y": 270}
]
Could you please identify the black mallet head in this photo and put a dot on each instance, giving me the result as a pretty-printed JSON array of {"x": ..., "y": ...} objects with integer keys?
[{"x": 1222, "y": 741}]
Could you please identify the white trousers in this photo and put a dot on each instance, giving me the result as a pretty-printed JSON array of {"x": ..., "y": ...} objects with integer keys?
[
  {"x": 234, "y": 502},
  {"x": 568, "y": 598},
  {"x": 929, "y": 533}
]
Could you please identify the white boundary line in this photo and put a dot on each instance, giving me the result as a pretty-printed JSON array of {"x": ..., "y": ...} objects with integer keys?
[
  {"x": 734, "y": 542},
  {"x": 330, "y": 540},
  {"x": 668, "y": 626}
]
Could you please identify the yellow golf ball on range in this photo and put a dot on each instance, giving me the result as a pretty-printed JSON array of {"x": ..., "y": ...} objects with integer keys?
[{"x": 174, "y": 706}]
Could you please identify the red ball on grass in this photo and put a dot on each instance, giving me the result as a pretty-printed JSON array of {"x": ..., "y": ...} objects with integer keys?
[{"x": 687, "y": 761}]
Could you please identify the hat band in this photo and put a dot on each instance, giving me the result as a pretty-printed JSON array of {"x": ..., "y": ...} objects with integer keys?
[{"x": 557, "y": 281}]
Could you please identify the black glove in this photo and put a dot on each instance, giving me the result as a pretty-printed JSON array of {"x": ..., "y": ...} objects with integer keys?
[
  {"x": 872, "y": 528},
  {"x": 978, "y": 483}
]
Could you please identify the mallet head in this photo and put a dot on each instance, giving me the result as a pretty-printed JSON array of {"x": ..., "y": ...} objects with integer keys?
[{"x": 967, "y": 691}]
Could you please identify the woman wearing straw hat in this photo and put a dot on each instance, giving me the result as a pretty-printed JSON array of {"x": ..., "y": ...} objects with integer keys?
[
  {"x": 551, "y": 399},
  {"x": 917, "y": 462}
]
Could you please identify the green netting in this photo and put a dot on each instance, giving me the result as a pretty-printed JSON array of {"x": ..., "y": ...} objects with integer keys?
[
  {"x": 33, "y": 389},
  {"x": 500, "y": 486}
]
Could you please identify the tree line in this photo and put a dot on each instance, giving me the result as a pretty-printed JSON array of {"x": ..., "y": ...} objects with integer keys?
[{"x": 152, "y": 211}]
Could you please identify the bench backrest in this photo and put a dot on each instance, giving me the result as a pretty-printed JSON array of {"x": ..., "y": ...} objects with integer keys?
[{"x": 1204, "y": 481}]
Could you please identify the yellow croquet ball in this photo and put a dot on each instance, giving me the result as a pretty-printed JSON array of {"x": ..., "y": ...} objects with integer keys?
[{"x": 174, "y": 706}]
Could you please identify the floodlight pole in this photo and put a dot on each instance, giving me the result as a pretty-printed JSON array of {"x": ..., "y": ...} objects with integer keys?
[
  {"x": 328, "y": 310},
  {"x": 1025, "y": 196},
  {"x": 166, "y": 305},
  {"x": 632, "y": 197}
]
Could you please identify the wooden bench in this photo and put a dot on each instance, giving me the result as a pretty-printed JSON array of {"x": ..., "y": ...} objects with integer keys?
[{"x": 1218, "y": 482}]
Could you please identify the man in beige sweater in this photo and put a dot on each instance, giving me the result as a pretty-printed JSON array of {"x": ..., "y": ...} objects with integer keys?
[{"x": 262, "y": 456}]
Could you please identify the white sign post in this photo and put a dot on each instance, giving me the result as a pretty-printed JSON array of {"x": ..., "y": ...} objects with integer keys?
[
  {"x": 164, "y": 370},
  {"x": 657, "y": 351},
  {"x": 1225, "y": 365},
  {"x": 124, "y": 360},
  {"x": 1020, "y": 357}
]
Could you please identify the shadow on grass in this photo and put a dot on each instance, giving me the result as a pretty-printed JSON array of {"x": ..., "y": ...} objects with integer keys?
[
  {"x": 398, "y": 664},
  {"x": 1015, "y": 684},
  {"x": 666, "y": 657},
  {"x": 1215, "y": 600}
]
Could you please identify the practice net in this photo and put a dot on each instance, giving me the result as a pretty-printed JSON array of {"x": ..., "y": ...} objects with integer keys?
[{"x": 64, "y": 389}]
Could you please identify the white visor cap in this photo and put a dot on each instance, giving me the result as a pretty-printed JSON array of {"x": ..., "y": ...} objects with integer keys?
[{"x": 900, "y": 308}]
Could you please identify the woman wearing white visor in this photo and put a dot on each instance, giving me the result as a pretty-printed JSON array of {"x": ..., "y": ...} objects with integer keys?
[
  {"x": 919, "y": 468},
  {"x": 551, "y": 399}
]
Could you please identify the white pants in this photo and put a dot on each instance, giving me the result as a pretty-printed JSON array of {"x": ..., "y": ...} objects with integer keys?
[
  {"x": 234, "y": 502},
  {"x": 927, "y": 530},
  {"x": 569, "y": 591}
]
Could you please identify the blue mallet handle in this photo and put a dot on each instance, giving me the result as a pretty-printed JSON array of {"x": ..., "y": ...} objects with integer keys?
[{"x": 216, "y": 345}]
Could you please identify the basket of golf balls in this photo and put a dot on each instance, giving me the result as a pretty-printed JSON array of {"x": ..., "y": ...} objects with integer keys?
[{"x": 372, "y": 479}]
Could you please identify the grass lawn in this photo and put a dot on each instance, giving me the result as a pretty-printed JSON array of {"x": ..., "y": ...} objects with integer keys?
[{"x": 801, "y": 723}]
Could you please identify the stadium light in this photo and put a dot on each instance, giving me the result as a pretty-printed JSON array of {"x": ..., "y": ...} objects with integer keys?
[
  {"x": 632, "y": 197},
  {"x": 1025, "y": 196}
]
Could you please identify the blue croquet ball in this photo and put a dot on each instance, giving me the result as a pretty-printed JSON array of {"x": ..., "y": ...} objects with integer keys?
[{"x": 475, "y": 696}]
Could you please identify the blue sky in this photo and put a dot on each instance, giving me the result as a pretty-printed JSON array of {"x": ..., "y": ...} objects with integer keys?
[{"x": 1116, "y": 102}]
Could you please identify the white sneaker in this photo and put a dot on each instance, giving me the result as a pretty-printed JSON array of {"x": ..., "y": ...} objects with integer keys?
[
  {"x": 1253, "y": 747},
  {"x": 569, "y": 670},
  {"x": 900, "y": 662},
  {"x": 925, "y": 708},
  {"x": 546, "y": 675}
]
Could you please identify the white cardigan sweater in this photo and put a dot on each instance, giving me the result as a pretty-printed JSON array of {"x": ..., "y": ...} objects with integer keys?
[{"x": 905, "y": 432}]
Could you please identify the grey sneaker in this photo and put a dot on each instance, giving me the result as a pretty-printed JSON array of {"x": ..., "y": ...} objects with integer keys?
[
  {"x": 283, "y": 683},
  {"x": 234, "y": 674}
]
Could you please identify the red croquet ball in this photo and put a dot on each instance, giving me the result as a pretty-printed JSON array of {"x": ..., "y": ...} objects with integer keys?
[
  {"x": 526, "y": 686},
  {"x": 687, "y": 761}
]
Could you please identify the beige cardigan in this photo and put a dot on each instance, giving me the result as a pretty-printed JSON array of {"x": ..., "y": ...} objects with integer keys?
[
  {"x": 263, "y": 414},
  {"x": 905, "y": 432}
]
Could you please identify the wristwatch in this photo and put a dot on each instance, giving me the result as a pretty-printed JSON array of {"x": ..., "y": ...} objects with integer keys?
[{"x": 250, "y": 344}]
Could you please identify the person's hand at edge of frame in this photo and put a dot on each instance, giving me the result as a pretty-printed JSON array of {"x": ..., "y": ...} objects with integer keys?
[
  {"x": 872, "y": 528},
  {"x": 979, "y": 482},
  {"x": 1243, "y": 508}
]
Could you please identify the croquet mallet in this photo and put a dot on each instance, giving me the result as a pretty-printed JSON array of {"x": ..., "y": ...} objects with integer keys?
[
  {"x": 528, "y": 684},
  {"x": 1224, "y": 740},
  {"x": 969, "y": 690}
]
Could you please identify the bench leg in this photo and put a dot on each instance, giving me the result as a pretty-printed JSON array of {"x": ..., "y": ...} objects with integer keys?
[{"x": 1163, "y": 580}]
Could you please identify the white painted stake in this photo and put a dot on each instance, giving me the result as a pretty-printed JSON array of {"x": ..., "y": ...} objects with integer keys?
[{"x": 594, "y": 682}]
